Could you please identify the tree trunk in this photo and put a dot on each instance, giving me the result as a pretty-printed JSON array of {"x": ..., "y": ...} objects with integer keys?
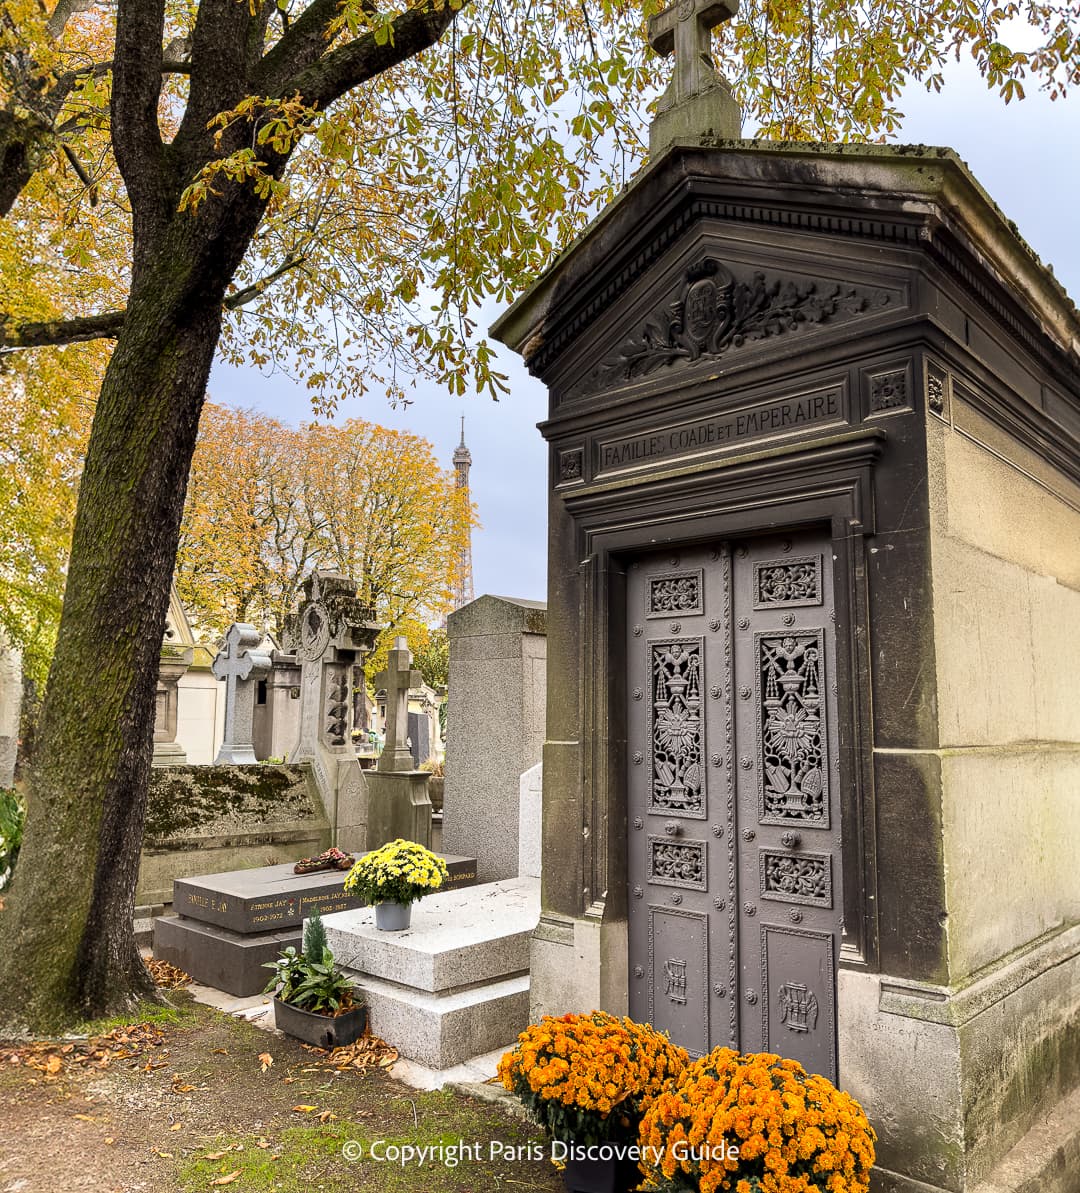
[{"x": 67, "y": 947}]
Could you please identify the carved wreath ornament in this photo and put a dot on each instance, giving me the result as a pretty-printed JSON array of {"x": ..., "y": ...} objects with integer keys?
[{"x": 716, "y": 312}]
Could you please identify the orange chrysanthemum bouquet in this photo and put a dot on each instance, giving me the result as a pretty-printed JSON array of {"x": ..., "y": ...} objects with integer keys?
[
  {"x": 585, "y": 1078},
  {"x": 755, "y": 1123}
]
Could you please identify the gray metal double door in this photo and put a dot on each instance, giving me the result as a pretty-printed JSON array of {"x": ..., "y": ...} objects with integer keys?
[{"x": 735, "y": 885}]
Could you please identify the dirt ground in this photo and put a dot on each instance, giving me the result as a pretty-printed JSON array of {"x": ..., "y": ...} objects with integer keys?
[{"x": 207, "y": 1101}]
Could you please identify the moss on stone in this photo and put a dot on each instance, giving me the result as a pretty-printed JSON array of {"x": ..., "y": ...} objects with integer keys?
[{"x": 204, "y": 800}]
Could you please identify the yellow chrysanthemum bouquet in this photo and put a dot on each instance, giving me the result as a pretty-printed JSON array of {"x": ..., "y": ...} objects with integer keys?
[
  {"x": 399, "y": 872},
  {"x": 755, "y": 1123},
  {"x": 585, "y": 1078}
]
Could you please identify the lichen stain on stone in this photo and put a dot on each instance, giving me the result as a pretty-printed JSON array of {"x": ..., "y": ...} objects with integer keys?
[{"x": 209, "y": 800}]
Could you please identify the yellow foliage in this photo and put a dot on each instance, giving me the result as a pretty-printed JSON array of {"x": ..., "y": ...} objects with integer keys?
[{"x": 268, "y": 503}]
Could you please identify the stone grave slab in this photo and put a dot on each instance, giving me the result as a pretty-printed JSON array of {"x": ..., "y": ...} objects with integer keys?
[{"x": 225, "y": 926}]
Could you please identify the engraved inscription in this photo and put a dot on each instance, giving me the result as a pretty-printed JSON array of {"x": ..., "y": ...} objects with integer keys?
[
  {"x": 678, "y": 592},
  {"x": 677, "y": 863},
  {"x": 725, "y": 430},
  {"x": 675, "y": 980},
  {"x": 798, "y": 1007},
  {"x": 781, "y": 584},
  {"x": 676, "y": 731},
  {"x": 797, "y": 878}
]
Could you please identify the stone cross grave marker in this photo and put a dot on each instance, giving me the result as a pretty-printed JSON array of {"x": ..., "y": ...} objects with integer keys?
[
  {"x": 397, "y": 679},
  {"x": 239, "y": 664},
  {"x": 685, "y": 30}
]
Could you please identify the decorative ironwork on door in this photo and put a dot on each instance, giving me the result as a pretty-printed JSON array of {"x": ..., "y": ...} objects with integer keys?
[{"x": 731, "y": 718}]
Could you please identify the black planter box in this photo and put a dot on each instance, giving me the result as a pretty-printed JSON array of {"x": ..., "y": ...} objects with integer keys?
[
  {"x": 323, "y": 1031},
  {"x": 601, "y": 1176}
]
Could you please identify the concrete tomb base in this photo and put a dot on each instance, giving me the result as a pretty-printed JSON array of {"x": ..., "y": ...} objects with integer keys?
[{"x": 456, "y": 983}]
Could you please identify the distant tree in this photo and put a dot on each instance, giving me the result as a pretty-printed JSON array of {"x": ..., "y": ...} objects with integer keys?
[{"x": 267, "y": 503}]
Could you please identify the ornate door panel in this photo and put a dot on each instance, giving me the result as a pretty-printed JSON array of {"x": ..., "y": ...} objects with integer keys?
[
  {"x": 787, "y": 798},
  {"x": 681, "y": 810},
  {"x": 734, "y": 825}
]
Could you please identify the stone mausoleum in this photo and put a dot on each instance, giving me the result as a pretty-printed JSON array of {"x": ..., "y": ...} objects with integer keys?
[{"x": 813, "y": 737}]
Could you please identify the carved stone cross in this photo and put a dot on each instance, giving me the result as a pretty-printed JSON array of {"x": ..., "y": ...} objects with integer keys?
[
  {"x": 397, "y": 679},
  {"x": 685, "y": 29},
  {"x": 236, "y": 663}
]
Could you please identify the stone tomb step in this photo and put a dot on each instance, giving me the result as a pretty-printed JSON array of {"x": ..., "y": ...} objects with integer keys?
[
  {"x": 273, "y": 897},
  {"x": 453, "y": 985},
  {"x": 214, "y": 956}
]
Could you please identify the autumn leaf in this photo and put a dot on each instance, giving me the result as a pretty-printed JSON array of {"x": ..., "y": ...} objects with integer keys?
[
  {"x": 228, "y": 1178},
  {"x": 265, "y": 1060},
  {"x": 304, "y": 1109},
  {"x": 53, "y": 1065},
  {"x": 327, "y": 1116}
]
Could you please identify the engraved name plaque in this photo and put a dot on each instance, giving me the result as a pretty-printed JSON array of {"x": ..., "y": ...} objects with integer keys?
[{"x": 780, "y": 417}]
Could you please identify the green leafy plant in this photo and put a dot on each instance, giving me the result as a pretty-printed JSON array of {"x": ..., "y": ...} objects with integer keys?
[
  {"x": 400, "y": 872},
  {"x": 12, "y": 818},
  {"x": 310, "y": 981}
]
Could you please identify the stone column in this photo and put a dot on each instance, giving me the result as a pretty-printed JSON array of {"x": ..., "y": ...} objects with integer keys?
[
  {"x": 494, "y": 726},
  {"x": 175, "y": 660}
]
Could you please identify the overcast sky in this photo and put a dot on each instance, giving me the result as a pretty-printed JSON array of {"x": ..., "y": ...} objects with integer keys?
[{"x": 1026, "y": 155}]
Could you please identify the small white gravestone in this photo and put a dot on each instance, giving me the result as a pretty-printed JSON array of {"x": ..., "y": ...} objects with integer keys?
[{"x": 239, "y": 665}]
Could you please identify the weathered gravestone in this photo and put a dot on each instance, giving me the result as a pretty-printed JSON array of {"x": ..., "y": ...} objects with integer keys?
[
  {"x": 815, "y": 479},
  {"x": 331, "y": 633},
  {"x": 10, "y": 709},
  {"x": 241, "y": 666},
  {"x": 495, "y": 726},
  {"x": 398, "y": 801}
]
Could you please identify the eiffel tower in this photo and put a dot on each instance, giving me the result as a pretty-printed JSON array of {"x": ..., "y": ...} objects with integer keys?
[{"x": 463, "y": 584}]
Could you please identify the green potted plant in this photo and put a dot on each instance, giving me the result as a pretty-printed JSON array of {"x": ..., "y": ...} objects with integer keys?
[
  {"x": 313, "y": 1000},
  {"x": 393, "y": 878}
]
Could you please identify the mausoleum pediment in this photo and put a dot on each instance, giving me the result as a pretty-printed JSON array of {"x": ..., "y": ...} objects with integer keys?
[{"x": 714, "y": 308}]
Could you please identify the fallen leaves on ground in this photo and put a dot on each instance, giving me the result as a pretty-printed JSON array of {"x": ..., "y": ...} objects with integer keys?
[
  {"x": 367, "y": 1053},
  {"x": 52, "y": 1056},
  {"x": 265, "y": 1060},
  {"x": 166, "y": 976}
]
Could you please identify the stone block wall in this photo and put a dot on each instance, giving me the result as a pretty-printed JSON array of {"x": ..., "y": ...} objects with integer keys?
[
  {"x": 1006, "y": 581},
  {"x": 212, "y": 819}
]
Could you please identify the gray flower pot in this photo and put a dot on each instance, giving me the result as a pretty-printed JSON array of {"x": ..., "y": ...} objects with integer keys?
[{"x": 393, "y": 917}]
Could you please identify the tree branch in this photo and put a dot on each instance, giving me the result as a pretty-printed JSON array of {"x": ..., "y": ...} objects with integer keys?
[
  {"x": 249, "y": 293},
  {"x": 107, "y": 326},
  {"x": 55, "y": 332},
  {"x": 136, "y": 91},
  {"x": 357, "y": 61}
]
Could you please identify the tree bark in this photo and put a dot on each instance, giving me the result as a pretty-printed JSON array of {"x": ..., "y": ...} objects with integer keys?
[{"x": 69, "y": 919}]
